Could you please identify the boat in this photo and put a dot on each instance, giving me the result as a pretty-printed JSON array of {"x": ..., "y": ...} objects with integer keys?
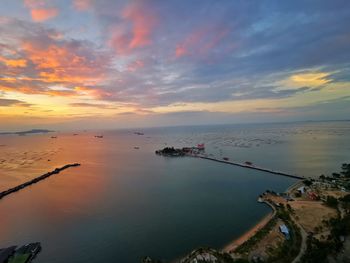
[
  {"x": 99, "y": 136},
  {"x": 136, "y": 147},
  {"x": 226, "y": 158}
]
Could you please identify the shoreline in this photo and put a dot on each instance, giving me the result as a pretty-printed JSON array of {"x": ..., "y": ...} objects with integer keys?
[{"x": 231, "y": 246}]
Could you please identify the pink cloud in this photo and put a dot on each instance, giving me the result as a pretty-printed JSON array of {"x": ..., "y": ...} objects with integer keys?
[
  {"x": 200, "y": 42},
  {"x": 181, "y": 51},
  {"x": 136, "y": 29},
  {"x": 82, "y": 5},
  {"x": 137, "y": 64}
]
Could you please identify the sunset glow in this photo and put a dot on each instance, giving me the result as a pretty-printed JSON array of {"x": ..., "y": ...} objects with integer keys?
[{"x": 142, "y": 63}]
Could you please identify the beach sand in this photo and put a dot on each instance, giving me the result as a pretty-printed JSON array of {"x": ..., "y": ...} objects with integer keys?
[{"x": 251, "y": 232}]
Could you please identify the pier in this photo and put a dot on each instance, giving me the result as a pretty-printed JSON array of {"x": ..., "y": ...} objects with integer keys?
[
  {"x": 36, "y": 180},
  {"x": 251, "y": 167}
]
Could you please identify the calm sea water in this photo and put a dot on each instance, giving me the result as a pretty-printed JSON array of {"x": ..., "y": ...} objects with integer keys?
[{"x": 125, "y": 203}]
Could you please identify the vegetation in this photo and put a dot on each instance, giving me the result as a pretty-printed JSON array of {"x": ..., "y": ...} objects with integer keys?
[
  {"x": 318, "y": 251},
  {"x": 246, "y": 246},
  {"x": 346, "y": 202},
  {"x": 171, "y": 151},
  {"x": 19, "y": 258},
  {"x": 345, "y": 170},
  {"x": 307, "y": 182},
  {"x": 289, "y": 249},
  {"x": 221, "y": 257},
  {"x": 331, "y": 201}
]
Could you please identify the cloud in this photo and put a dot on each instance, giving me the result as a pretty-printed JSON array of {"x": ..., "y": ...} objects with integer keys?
[
  {"x": 92, "y": 105},
  {"x": 135, "y": 65},
  {"x": 12, "y": 102},
  {"x": 41, "y": 60},
  {"x": 201, "y": 42},
  {"x": 82, "y": 5},
  {"x": 43, "y": 14},
  {"x": 312, "y": 79},
  {"x": 16, "y": 63},
  {"x": 135, "y": 28},
  {"x": 41, "y": 10},
  {"x": 150, "y": 54}
]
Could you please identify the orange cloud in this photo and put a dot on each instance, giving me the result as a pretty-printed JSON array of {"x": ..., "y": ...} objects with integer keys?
[
  {"x": 32, "y": 90},
  {"x": 62, "y": 64},
  {"x": 14, "y": 63},
  {"x": 40, "y": 15},
  {"x": 142, "y": 22},
  {"x": 21, "y": 89},
  {"x": 40, "y": 10},
  {"x": 48, "y": 63},
  {"x": 96, "y": 93}
]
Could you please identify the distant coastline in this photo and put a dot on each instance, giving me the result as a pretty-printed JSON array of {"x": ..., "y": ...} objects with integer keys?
[{"x": 33, "y": 131}]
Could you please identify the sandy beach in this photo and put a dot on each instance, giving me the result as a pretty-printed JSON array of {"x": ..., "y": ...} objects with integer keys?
[{"x": 251, "y": 232}]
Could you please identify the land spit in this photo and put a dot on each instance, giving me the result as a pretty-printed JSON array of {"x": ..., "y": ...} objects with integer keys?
[
  {"x": 199, "y": 152},
  {"x": 251, "y": 167},
  {"x": 36, "y": 180}
]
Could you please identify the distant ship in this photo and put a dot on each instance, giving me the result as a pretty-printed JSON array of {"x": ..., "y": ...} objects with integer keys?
[
  {"x": 226, "y": 159},
  {"x": 53, "y": 137},
  {"x": 99, "y": 136},
  {"x": 139, "y": 133},
  {"x": 136, "y": 147}
]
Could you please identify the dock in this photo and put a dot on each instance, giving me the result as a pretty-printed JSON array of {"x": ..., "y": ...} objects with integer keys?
[
  {"x": 251, "y": 167},
  {"x": 36, "y": 180}
]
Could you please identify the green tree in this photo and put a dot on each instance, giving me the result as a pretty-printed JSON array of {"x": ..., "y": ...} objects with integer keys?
[
  {"x": 331, "y": 201},
  {"x": 345, "y": 170}
]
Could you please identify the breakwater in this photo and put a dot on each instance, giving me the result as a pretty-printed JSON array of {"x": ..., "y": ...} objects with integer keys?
[
  {"x": 251, "y": 167},
  {"x": 36, "y": 180}
]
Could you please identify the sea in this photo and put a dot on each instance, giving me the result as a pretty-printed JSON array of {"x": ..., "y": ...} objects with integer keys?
[{"x": 125, "y": 202}]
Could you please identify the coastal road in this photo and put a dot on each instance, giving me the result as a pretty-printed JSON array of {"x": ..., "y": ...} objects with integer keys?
[
  {"x": 303, "y": 233},
  {"x": 303, "y": 245}
]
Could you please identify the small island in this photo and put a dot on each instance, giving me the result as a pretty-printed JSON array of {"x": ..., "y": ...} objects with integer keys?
[
  {"x": 185, "y": 151},
  {"x": 23, "y": 133}
]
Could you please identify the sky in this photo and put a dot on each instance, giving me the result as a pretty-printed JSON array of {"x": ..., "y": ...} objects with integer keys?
[{"x": 74, "y": 64}]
